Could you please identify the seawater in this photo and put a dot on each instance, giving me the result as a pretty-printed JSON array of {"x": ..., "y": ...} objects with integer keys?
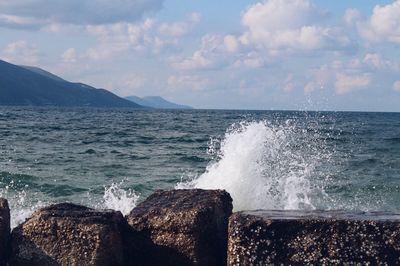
[{"x": 114, "y": 158}]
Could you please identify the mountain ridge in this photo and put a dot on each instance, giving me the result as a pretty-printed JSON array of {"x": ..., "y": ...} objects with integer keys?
[
  {"x": 43, "y": 72},
  {"x": 32, "y": 86},
  {"x": 157, "y": 102}
]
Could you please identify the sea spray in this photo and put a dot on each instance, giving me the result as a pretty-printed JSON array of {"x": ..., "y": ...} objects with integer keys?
[
  {"x": 265, "y": 166},
  {"x": 116, "y": 198},
  {"x": 22, "y": 204}
]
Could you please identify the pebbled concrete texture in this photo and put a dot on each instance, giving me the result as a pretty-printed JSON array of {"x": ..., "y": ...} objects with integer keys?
[
  {"x": 69, "y": 234},
  {"x": 185, "y": 227},
  {"x": 313, "y": 238}
]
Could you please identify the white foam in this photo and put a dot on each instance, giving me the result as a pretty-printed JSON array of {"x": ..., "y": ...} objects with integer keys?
[
  {"x": 22, "y": 208},
  {"x": 21, "y": 203},
  {"x": 263, "y": 166},
  {"x": 116, "y": 198}
]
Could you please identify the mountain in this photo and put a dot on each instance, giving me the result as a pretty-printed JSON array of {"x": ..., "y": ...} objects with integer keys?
[
  {"x": 36, "y": 87},
  {"x": 139, "y": 101},
  {"x": 43, "y": 72},
  {"x": 156, "y": 102}
]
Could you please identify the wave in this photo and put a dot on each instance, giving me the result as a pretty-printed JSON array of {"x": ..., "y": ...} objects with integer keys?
[
  {"x": 266, "y": 166},
  {"x": 393, "y": 140},
  {"x": 193, "y": 158},
  {"x": 116, "y": 198},
  {"x": 23, "y": 201}
]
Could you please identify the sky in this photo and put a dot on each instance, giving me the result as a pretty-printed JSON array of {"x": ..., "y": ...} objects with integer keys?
[{"x": 266, "y": 55}]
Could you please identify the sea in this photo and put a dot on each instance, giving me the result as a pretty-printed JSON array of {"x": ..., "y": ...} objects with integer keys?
[{"x": 115, "y": 158}]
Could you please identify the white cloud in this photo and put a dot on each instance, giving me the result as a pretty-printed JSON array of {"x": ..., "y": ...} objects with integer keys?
[
  {"x": 278, "y": 25},
  {"x": 322, "y": 77},
  {"x": 231, "y": 44},
  {"x": 211, "y": 54},
  {"x": 346, "y": 83},
  {"x": 252, "y": 60},
  {"x": 272, "y": 15},
  {"x": 132, "y": 31},
  {"x": 122, "y": 37},
  {"x": 310, "y": 87},
  {"x": 272, "y": 28},
  {"x": 19, "y": 22},
  {"x": 396, "y": 85},
  {"x": 21, "y": 52},
  {"x": 178, "y": 29},
  {"x": 288, "y": 83},
  {"x": 131, "y": 83},
  {"x": 146, "y": 37},
  {"x": 69, "y": 56},
  {"x": 376, "y": 61},
  {"x": 188, "y": 82},
  {"x": 351, "y": 16},
  {"x": 383, "y": 25},
  {"x": 134, "y": 81},
  {"x": 371, "y": 70},
  {"x": 30, "y": 13}
]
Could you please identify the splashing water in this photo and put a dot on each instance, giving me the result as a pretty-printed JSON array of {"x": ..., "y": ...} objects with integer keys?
[
  {"x": 22, "y": 204},
  {"x": 22, "y": 207},
  {"x": 116, "y": 198},
  {"x": 265, "y": 166}
]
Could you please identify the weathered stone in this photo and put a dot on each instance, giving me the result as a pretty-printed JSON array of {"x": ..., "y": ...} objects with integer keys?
[
  {"x": 185, "y": 227},
  {"x": 313, "y": 238},
  {"x": 4, "y": 230},
  {"x": 68, "y": 234}
]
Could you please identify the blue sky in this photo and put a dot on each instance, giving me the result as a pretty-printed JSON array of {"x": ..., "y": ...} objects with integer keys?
[{"x": 271, "y": 54}]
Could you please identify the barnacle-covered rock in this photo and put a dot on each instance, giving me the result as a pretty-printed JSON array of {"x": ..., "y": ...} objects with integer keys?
[
  {"x": 68, "y": 234},
  {"x": 313, "y": 238},
  {"x": 185, "y": 227}
]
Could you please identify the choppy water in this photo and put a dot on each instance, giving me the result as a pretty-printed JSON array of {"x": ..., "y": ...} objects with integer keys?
[{"x": 276, "y": 160}]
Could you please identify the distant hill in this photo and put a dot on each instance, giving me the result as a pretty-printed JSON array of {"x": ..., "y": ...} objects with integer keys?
[
  {"x": 156, "y": 102},
  {"x": 43, "y": 72},
  {"x": 139, "y": 101},
  {"x": 37, "y": 87}
]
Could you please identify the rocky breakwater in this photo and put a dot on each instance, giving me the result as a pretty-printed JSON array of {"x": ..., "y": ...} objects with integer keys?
[
  {"x": 68, "y": 234},
  {"x": 4, "y": 231},
  {"x": 179, "y": 227},
  {"x": 184, "y": 227},
  {"x": 313, "y": 238},
  {"x": 190, "y": 227}
]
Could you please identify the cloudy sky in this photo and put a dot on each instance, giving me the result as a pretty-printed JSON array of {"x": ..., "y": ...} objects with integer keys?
[{"x": 271, "y": 54}]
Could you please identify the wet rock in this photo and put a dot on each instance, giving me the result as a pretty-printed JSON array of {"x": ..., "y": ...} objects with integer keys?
[
  {"x": 68, "y": 234},
  {"x": 4, "y": 230},
  {"x": 185, "y": 227},
  {"x": 313, "y": 238}
]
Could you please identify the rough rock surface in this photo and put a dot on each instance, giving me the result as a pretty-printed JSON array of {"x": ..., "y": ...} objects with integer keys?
[
  {"x": 68, "y": 234},
  {"x": 4, "y": 230},
  {"x": 313, "y": 238},
  {"x": 184, "y": 227}
]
